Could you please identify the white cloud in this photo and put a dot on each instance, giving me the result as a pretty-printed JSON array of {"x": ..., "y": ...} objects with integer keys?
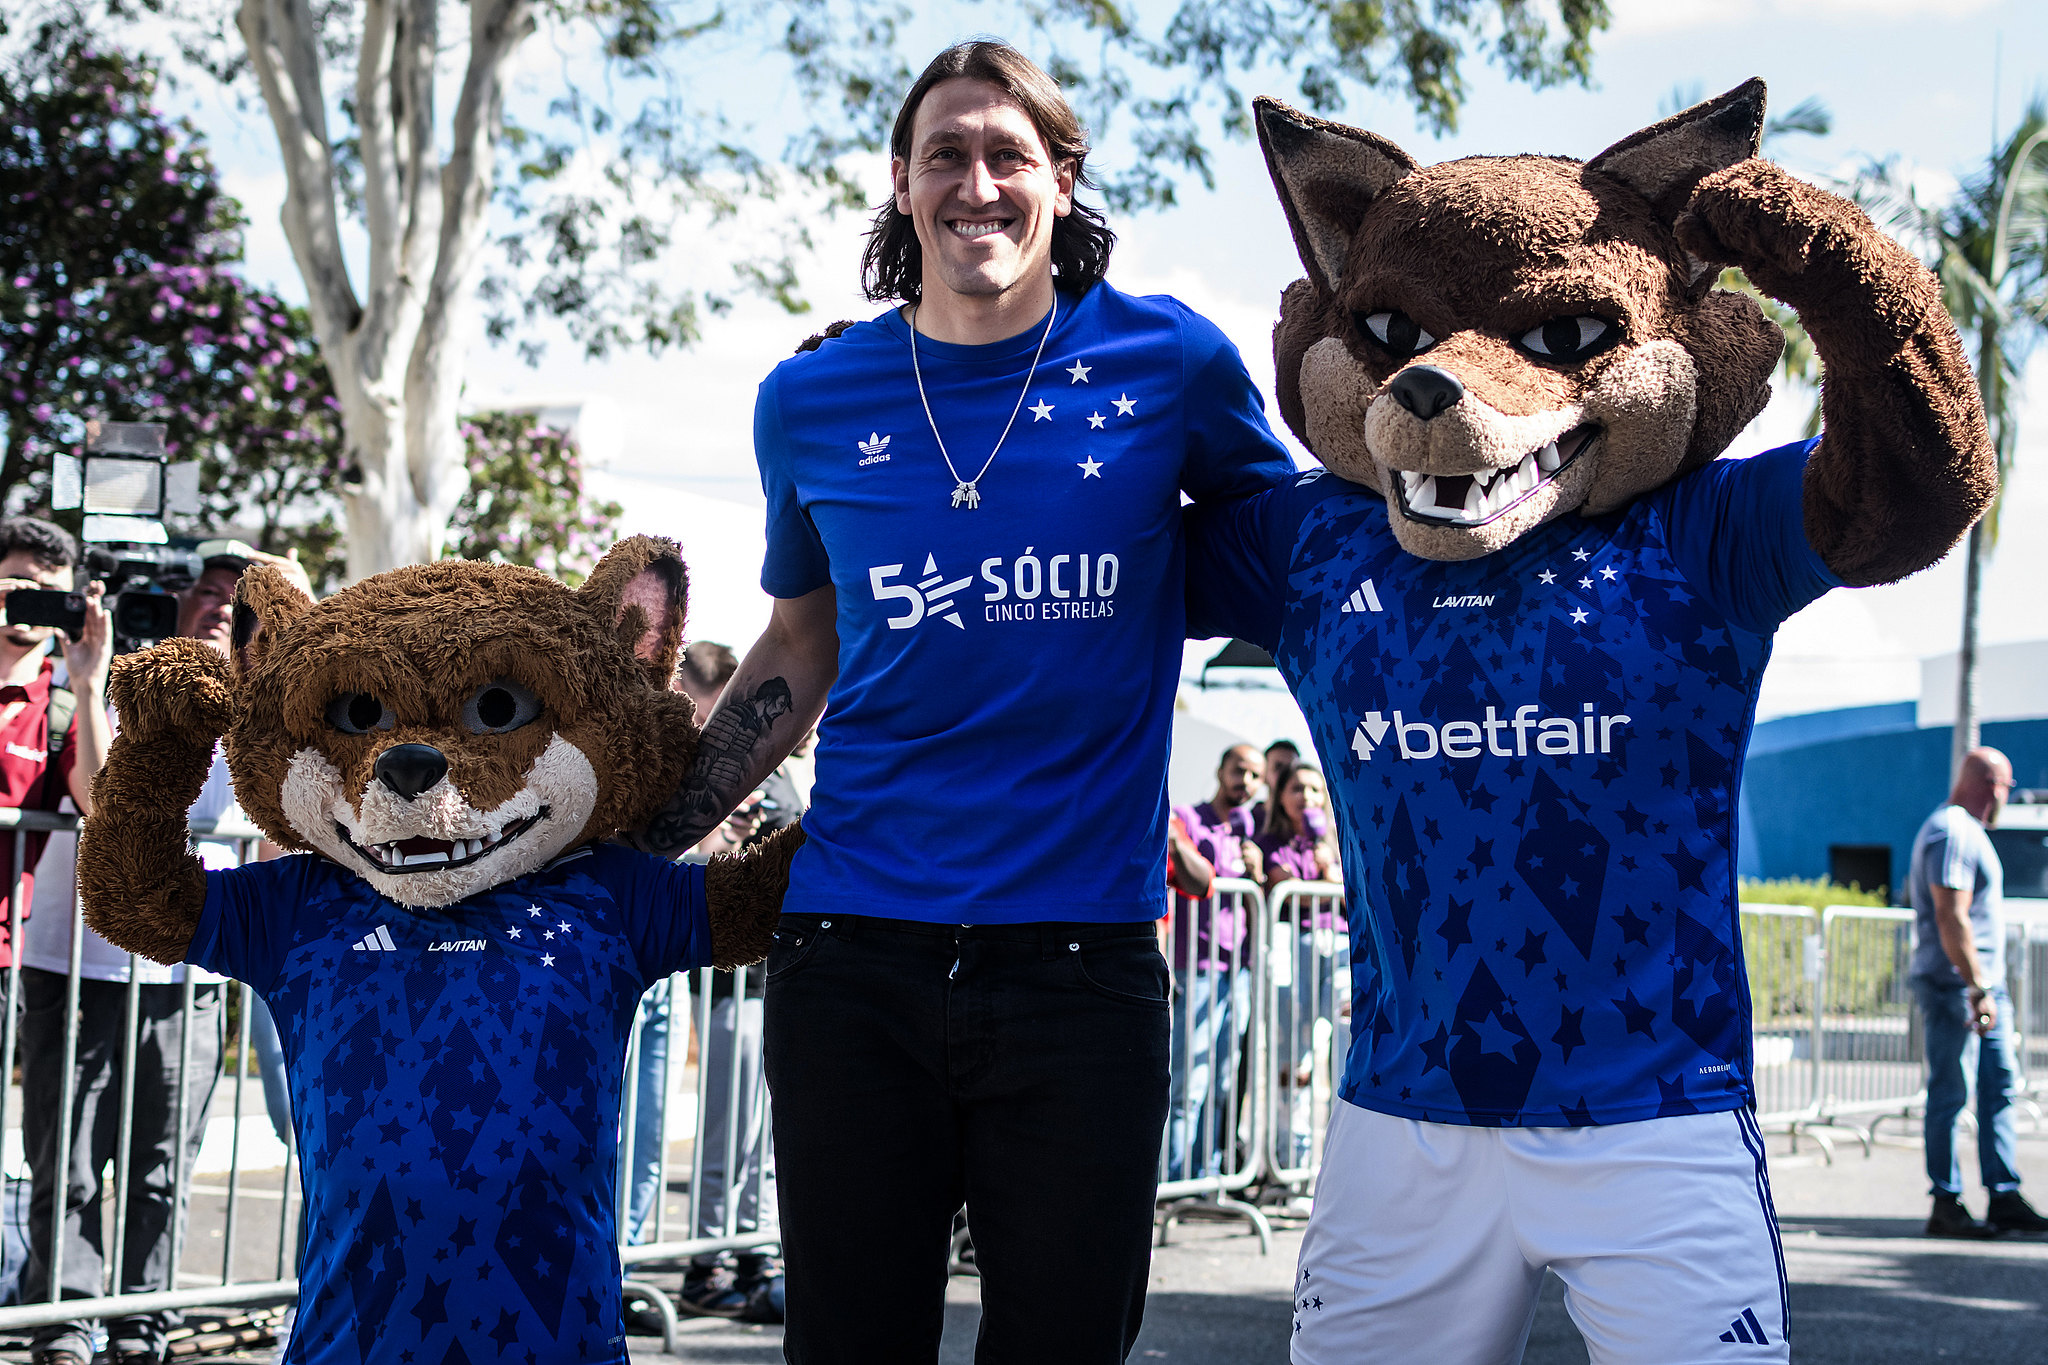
[{"x": 1635, "y": 18}]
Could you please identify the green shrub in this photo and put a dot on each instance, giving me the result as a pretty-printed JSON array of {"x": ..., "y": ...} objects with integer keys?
[{"x": 1814, "y": 893}]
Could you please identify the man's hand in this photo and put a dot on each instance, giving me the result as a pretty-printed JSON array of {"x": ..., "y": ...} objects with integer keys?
[
  {"x": 1983, "y": 1010},
  {"x": 88, "y": 657},
  {"x": 1254, "y": 861}
]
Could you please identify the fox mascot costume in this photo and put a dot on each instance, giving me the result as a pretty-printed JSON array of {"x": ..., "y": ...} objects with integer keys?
[
  {"x": 1526, "y": 609},
  {"x": 455, "y": 958}
]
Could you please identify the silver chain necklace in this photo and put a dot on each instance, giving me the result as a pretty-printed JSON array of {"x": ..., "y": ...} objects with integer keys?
[{"x": 965, "y": 494}]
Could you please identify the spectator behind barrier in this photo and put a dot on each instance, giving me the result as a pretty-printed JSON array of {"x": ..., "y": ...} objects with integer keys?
[
  {"x": 1281, "y": 756},
  {"x": 1296, "y": 841},
  {"x": 41, "y": 723},
  {"x": 157, "y": 1201}
]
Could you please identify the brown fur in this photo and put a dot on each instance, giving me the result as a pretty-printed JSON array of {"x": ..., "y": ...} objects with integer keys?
[
  {"x": 817, "y": 339},
  {"x": 736, "y": 882},
  {"x": 422, "y": 640},
  {"x": 1479, "y": 252}
]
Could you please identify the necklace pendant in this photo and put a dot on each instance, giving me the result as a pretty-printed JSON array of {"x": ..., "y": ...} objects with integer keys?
[{"x": 966, "y": 495}]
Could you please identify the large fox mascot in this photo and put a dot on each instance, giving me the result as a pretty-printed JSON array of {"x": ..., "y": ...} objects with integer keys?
[
  {"x": 455, "y": 962},
  {"x": 1526, "y": 610}
]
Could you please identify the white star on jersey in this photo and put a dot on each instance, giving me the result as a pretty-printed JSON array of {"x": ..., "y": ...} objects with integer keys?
[
  {"x": 547, "y": 959},
  {"x": 1579, "y": 616},
  {"x": 1582, "y": 555},
  {"x": 1546, "y": 577},
  {"x": 1079, "y": 371},
  {"x": 1095, "y": 421},
  {"x": 1041, "y": 411},
  {"x": 1091, "y": 468},
  {"x": 513, "y": 931},
  {"x": 1125, "y": 405},
  {"x": 533, "y": 910},
  {"x": 1607, "y": 574}
]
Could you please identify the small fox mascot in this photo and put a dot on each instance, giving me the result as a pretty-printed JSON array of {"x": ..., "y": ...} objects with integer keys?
[
  {"x": 455, "y": 962},
  {"x": 1526, "y": 610}
]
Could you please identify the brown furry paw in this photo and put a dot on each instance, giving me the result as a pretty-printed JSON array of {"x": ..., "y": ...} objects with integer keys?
[
  {"x": 180, "y": 687},
  {"x": 744, "y": 892},
  {"x": 1772, "y": 224}
]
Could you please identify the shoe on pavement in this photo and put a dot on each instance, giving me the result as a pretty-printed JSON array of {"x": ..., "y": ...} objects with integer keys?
[
  {"x": 2010, "y": 1212},
  {"x": 711, "y": 1288},
  {"x": 1950, "y": 1219},
  {"x": 763, "y": 1288}
]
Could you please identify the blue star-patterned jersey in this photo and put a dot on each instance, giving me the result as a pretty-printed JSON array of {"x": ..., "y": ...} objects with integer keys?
[
  {"x": 455, "y": 1078},
  {"x": 1534, "y": 758}
]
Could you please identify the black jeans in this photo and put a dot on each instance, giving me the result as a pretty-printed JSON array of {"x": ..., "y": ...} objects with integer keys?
[
  {"x": 153, "y": 1202},
  {"x": 1018, "y": 1068}
]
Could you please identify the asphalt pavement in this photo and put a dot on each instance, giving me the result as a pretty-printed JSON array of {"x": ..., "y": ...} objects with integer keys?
[{"x": 1867, "y": 1287}]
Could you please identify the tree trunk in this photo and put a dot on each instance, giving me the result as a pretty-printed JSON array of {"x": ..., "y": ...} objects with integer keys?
[{"x": 1965, "y": 733}]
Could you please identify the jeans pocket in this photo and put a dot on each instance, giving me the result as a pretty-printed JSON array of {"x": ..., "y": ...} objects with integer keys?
[
  {"x": 1127, "y": 970},
  {"x": 794, "y": 942}
]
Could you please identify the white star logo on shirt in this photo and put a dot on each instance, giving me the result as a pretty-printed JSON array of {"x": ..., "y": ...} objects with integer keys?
[
  {"x": 563, "y": 925},
  {"x": 513, "y": 931},
  {"x": 548, "y": 934},
  {"x": 1090, "y": 468},
  {"x": 1582, "y": 555},
  {"x": 1125, "y": 405},
  {"x": 1095, "y": 421},
  {"x": 1607, "y": 574},
  {"x": 1579, "y": 617},
  {"x": 1079, "y": 371},
  {"x": 547, "y": 959},
  {"x": 1546, "y": 577},
  {"x": 533, "y": 910},
  {"x": 1041, "y": 411},
  {"x": 1585, "y": 582}
]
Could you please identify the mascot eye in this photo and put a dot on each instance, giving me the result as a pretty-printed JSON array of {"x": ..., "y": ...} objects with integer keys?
[
  {"x": 499, "y": 707},
  {"x": 1568, "y": 338},
  {"x": 358, "y": 713},
  {"x": 1397, "y": 332}
]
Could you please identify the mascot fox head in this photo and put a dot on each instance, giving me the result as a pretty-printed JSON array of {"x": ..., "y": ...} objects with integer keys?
[
  {"x": 1495, "y": 342},
  {"x": 444, "y": 728}
]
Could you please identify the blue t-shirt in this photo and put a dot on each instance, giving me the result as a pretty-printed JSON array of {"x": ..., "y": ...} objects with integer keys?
[
  {"x": 994, "y": 750},
  {"x": 1953, "y": 850},
  {"x": 455, "y": 1080},
  {"x": 1534, "y": 757}
]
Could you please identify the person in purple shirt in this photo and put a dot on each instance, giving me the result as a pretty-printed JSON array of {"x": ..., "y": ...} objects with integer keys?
[{"x": 1212, "y": 997}]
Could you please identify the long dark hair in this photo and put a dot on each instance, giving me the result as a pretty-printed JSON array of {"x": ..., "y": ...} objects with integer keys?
[
  {"x": 892, "y": 265},
  {"x": 1278, "y": 822}
]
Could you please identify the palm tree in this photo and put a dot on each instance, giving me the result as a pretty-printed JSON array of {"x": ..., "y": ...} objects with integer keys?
[{"x": 1988, "y": 245}]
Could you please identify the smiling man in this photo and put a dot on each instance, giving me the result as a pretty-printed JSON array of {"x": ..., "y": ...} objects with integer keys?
[{"x": 973, "y": 540}]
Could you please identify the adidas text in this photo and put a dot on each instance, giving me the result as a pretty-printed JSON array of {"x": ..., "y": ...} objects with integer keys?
[{"x": 1528, "y": 731}]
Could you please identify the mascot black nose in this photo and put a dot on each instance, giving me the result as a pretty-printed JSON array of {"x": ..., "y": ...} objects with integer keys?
[
  {"x": 1426, "y": 390},
  {"x": 409, "y": 769}
]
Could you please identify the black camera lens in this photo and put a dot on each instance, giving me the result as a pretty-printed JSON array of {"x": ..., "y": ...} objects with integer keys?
[{"x": 143, "y": 615}]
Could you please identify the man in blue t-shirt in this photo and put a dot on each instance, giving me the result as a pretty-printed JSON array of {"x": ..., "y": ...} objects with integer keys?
[
  {"x": 1955, "y": 884},
  {"x": 974, "y": 543}
]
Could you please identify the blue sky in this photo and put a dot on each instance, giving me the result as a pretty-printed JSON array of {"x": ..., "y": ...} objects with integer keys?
[{"x": 1912, "y": 78}]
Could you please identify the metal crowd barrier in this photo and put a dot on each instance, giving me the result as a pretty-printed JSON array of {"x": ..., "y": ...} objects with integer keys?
[
  {"x": 2026, "y": 980},
  {"x": 1308, "y": 1020},
  {"x": 1216, "y": 1121}
]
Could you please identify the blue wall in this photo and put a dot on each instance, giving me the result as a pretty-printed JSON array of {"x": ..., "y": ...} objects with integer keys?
[{"x": 1862, "y": 775}]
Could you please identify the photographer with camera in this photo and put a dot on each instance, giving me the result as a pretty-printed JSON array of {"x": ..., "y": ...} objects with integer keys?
[
  {"x": 44, "y": 725},
  {"x": 155, "y": 1207}
]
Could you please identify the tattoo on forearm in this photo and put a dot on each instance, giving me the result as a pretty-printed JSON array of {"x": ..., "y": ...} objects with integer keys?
[{"x": 725, "y": 759}]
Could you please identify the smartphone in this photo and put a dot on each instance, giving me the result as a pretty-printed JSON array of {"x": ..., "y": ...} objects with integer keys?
[{"x": 47, "y": 607}]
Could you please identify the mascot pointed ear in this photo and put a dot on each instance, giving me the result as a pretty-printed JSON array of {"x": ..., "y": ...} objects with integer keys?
[
  {"x": 1327, "y": 175},
  {"x": 642, "y": 590},
  {"x": 266, "y": 603},
  {"x": 1665, "y": 161}
]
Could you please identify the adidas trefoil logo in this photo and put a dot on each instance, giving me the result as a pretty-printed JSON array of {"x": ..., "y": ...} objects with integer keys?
[
  {"x": 875, "y": 448},
  {"x": 1363, "y": 598},
  {"x": 1746, "y": 1329},
  {"x": 378, "y": 940}
]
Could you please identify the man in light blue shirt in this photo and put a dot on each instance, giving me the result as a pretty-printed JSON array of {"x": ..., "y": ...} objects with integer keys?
[{"x": 1959, "y": 981}]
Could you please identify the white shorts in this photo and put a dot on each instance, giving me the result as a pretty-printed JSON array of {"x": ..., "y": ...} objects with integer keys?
[{"x": 1429, "y": 1242}]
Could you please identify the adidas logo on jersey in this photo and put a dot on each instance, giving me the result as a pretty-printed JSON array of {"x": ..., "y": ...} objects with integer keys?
[
  {"x": 1747, "y": 1330},
  {"x": 875, "y": 448},
  {"x": 1363, "y": 598},
  {"x": 378, "y": 940}
]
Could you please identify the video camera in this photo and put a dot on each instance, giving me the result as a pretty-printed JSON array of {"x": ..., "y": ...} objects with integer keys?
[{"x": 125, "y": 483}]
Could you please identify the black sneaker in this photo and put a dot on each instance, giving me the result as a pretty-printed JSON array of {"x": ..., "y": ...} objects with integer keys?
[
  {"x": 2010, "y": 1212},
  {"x": 1950, "y": 1219},
  {"x": 760, "y": 1280},
  {"x": 711, "y": 1289}
]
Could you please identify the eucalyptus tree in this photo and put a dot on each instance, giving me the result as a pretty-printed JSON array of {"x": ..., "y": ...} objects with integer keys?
[{"x": 399, "y": 127}]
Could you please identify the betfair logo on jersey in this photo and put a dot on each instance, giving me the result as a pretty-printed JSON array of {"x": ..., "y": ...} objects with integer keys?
[{"x": 1527, "y": 731}]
